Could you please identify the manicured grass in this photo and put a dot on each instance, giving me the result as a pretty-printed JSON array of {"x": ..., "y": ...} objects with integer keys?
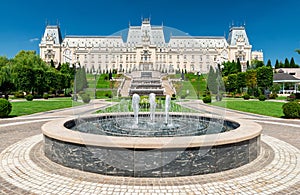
[
  {"x": 31, "y": 107},
  {"x": 267, "y": 108},
  {"x": 193, "y": 83}
]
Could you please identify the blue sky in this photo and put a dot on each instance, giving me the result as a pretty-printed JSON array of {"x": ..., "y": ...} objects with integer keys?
[{"x": 272, "y": 25}]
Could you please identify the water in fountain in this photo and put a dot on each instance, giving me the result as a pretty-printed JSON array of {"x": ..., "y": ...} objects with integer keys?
[
  {"x": 135, "y": 107},
  {"x": 141, "y": 125},
  {"x": 152, "y": 106},
  {"x": 167, "y": 108}
]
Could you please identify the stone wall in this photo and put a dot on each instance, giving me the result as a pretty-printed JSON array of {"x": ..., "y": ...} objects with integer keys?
[{"x": 169, "y": 162}]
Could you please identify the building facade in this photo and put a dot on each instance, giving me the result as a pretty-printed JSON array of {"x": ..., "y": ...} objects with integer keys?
[{"x": 146, "y": 48}]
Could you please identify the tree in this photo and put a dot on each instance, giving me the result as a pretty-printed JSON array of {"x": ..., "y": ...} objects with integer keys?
[
  {"x": 256, "y": 64},
  {"x": 292, "y": 63},
  {"x": 229, "y": 68},
  {"x": 232, "y": 83},
  {"x": 264, "y": 77},
  {"x": 51, "y": 80},
  {"x": 238, "y": 66},
  {"x": 298, "y": 51},
  {"x": 6, "y": 80},
  {"x": 52, "y": 64},
  {"x": 286, "y": 63},
  {"x": 277, "y": 64},
  {"x": 24, "y": 78},
  {"x": 269, "y": 64},
  {"x": 241, "y": 81},
  {"x": 251, "y": 80},
  {"x": 39, "y": 85},
  {"x": 3, "y": 61}
]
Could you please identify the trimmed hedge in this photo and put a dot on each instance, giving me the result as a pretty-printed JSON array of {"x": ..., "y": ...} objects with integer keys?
[
  {"x": 29, "y": 97},
  {"x": 207, "y": 99},
  {"x": 246, "y": 97},
  {"x": 5, "y": 108},
  {"x": 291, "y": 110},
  {"x": 262, "y": 97}
]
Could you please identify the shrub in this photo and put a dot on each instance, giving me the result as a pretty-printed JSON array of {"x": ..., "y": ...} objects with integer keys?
[
  {"x": 29, "y": 97},
  {"x": 46, "y": 96},
  {"x": 262, "y": 97},
  {"x": 246, "y": 97},
  {"x": 85, "y": 98},
  {"x": 297, "y": 95},
  {"x": 109, "y": 95},
  {"x": 207, "y": 99},
  {"x": 291, "y": 110},
  {"x": 292, "y": 97},
  {"x": 273, "y": 96},
  {"x": 5, "y": 108},
  {"x": 19, "y": 94}
]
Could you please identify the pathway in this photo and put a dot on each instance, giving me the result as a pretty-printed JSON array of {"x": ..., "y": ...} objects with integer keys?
[{"x": 25, "y": 170}]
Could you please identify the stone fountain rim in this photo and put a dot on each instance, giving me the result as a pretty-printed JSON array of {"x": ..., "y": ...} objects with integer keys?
[{"x": 56, "y": 130}]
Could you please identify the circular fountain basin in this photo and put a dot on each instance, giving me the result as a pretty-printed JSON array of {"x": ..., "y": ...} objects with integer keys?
[{"x": 151, "y": 156}]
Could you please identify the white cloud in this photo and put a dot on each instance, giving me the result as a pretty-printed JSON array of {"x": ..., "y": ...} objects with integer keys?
[{"x": 34, "y": 39}]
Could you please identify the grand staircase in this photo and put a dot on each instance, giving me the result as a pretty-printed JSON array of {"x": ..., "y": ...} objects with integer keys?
[{"x": 144, "y": 83}]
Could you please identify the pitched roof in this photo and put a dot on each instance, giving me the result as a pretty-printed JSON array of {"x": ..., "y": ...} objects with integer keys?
[{"x": 285, "y": 77}]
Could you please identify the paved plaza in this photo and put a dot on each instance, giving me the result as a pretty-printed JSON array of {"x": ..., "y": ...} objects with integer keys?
[{"x": 25, "y": 170}]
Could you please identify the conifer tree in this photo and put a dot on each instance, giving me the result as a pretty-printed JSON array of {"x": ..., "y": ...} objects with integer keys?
[
  {"x": 269, "y": 64},
  {"x": 286, "y": 63},
  {"x": 277, "y": 64},
  {"x": 292, "y": 63}
]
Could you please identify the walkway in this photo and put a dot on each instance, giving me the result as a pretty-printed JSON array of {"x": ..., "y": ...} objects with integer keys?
[{"x": 25, "y": 170}]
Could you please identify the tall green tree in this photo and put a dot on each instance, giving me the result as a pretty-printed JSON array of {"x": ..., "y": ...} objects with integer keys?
[
  {"x": 269, "y": 64},
  {"x": 251, "y": 80},
  {"x": 39, "y": 84},
  {"x": 229, "y": 68},
  {"x": 232, "y": 83},
  {"x": 286, "y": 63},
  {"x": 256, "y": 64},
  {"x": 241, "y": 81},
  {"x": 277, "y": 64},
  {"x": 264, "y": 78},
  {"x": 292, "y": 63},
  {"x": 6, "y": 80},
  {"x": 24, "y": 78},
  {"x": 238, "y": 66},
  {"x": 51, "y": 80}
]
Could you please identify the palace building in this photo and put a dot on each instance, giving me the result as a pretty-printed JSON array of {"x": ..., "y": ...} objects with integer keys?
[{"x": 146, "y": 48}]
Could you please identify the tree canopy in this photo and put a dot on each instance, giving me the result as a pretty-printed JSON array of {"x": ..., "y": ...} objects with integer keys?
[{"x": 27, "y": 72}]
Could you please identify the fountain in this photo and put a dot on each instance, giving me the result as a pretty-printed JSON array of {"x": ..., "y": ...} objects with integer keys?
[
  {"x": 152, "y": 106},
  {"x": 135, "y": 107},
  {"x": 153, "y": 143}
]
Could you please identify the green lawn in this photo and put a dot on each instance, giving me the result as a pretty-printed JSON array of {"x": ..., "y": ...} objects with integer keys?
[
  {"x": 267, "y": 108},
  {"x": 35, "y": 106},
  {"x": 192, "y": 83}
]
